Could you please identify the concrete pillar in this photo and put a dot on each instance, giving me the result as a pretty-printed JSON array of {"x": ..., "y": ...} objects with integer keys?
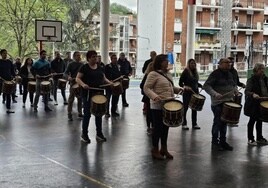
[
  {"x": 104, "y": 30},
  {"x": 190, "y": 43}
]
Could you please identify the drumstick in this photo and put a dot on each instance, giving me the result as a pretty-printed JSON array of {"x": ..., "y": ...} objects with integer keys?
[
  {"x": 104, "y": 85},
  {"x": 240, "y": 88},
  {"x": 117, "y": 79},
  {"x": 95, "y": 88},
  {"x": 263, "y": 98},
  {"x": 227, "y": 93},
  {"x": 201, "y": 90}
]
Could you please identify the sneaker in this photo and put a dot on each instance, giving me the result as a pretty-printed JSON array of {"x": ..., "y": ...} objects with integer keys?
[
  {"x": 70, "y": 117},
  {"x": 10, "y": 111},
  {"x": 107, "y": 115},
  {"x": 252, "y": 143},
  {"x": 14, "y": 101},
  {"x": 149, "y": 131},
  {"x": 84, "y": 138},
  {"x": 47, "y": 109},
  {"x": 184, "y": 127},
  {"x": 115, "y": 114},
  {"x": 49, "y": 99},
  {"x": 3, "y": 101},
  {"x": 65, "y": 103},
  {"x": 125, "y": 104},
  {"x": 35, "y": 109},
  {"x": 196, "y": 127},
  {"x": 55, "y": 103},
  {"x": 226, "y": 146},
  {"x": 100, "y": 138},
  {"x": 32, "y": 105},
  {"x": 23, "y": 106},
  {"x": 262, "y": 141}
]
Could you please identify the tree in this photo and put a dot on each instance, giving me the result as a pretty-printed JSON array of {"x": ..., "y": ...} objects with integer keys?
[
  {"x": 17, "y": 28},
  {"x": 120, "y": 9},
  {"x": 79, "y": 29}
]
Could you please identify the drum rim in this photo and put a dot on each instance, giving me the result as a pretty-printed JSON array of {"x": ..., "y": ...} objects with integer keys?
[{"x": 240, "y": 105}]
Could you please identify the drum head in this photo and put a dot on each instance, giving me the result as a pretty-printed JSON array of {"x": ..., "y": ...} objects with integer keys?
[
  {"x": 62, "y": 80},
  {"x": 117, "y": 84},
  {"x": 99, "y": 99},
  {"x": 173, "y": 105},
  {"x": 198, "y": 96},
  {"x": 45, "y": 83},
  {"x": 264, "y": 104},
  {"x": 32, "y": 83},
  {"x": 75, "y": 86},
  {"x": 232, "y": 104}
]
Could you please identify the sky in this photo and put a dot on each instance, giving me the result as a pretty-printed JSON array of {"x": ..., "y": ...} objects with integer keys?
[{"x": 131, "y": 4}]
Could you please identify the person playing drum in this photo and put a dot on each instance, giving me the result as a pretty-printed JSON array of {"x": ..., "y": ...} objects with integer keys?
[
  {"x": 189, "y": 79},
  {"x": 256, "y": 89},
  {"x": 90, "y": 76},
  {"x": 26, "y": 75},
  {"x": 221, "y": 87},
  {"x": 112, "y": 72},
  {"x": 7, "y": 73},
  {"x": 57, "y": 70},
  {"x": 70, "y": 73},
  {"x": 41, "y": 70},
  {"x": 159, "y": 87}
]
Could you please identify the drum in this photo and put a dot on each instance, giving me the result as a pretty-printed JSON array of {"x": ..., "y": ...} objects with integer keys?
[
  {"x": 172, "y": 113},
  {"x": 264, "y": 111},
  {"x": 9, "y": 87},
  {"x": 117, "y": 88},
  {"x": 125, "y": 83},
  {"x": 18, "y": 79},
  {"x": 197, "y": 102},
  {"x": 231, "y": 112},
  {"x": 62, "y": 83},
  {"x": 45, "y": 87},
  {"x": 238, "y": 98},
  {"x": 77, "y": 90},
  {"x": 98, "y": 105},
  {"x": 31, "y": 86}
]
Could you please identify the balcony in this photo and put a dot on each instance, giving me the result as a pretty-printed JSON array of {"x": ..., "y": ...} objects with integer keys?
[
  {"x": 248, "y": 6},
  {"x": 177, "y": 27},
  {"x": 178, "y": 4},
  {"x": 258, "y": 47},
  {"x": 209, "y": 3},
  {"x": 177, "y": 47},
  {"x": 265, "y": 28},
  {"x": 208, "y": 45},
  {"x": 248, "y": 28}
]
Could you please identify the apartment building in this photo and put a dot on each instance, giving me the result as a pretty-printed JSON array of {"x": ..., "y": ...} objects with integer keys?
[
  {"x": 122, "y": 36},
  {"x": 237, "y": 28}
]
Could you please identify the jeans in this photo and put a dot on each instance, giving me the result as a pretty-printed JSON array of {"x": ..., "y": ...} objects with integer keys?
[
  {"x": 219, "y": 127},
  {"x": 25, "y": 93},
  {"x": 160, "y": 131},
  {"x": 124, "y": 100},
  {"x": 55, "y": 88},
  {"x": 251, "y": 123},
  {"x": 71, "y": 101},
  {"x": 115, "y": 99},
  {"x": 186, "y": 101},
  {"x": 87, "y": 115},
  {"x": 37, "y": 94}
]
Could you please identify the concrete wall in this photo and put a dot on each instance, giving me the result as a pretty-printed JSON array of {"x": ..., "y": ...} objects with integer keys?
[{"x": 150, "y": 30}]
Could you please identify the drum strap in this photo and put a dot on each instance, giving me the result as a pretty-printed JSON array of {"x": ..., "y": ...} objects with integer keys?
[{"x": 165, "y": 77}]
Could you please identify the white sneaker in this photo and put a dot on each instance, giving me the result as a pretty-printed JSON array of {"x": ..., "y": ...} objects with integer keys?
[
  {"x": 252, "y": 143},
  {"x": 55, "y": 103},
  {"x": 184, "y": 127}
]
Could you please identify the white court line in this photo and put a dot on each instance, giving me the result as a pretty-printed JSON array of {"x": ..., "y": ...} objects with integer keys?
[{"x": 62, "y": 165}]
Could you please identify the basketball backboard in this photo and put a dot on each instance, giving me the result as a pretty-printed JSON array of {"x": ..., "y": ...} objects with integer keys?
[{"x": 48, "y": 30}]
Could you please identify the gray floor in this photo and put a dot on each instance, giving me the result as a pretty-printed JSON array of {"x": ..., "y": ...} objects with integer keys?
[{"x": 44, "y": 150}]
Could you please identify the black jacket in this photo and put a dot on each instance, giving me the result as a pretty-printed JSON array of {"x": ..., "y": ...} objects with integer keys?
[{"x": 252, "y": 106}]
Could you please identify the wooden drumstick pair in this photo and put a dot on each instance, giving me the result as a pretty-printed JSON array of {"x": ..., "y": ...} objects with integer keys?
[{"x": 105, "y": 85}]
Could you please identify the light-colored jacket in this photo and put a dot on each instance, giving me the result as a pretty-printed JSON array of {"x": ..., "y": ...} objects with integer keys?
[{"x": 157, "y": 85}]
